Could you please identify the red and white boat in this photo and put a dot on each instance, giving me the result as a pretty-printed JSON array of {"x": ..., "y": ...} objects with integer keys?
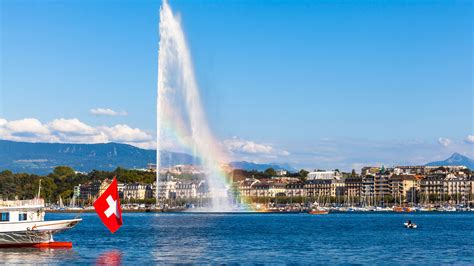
[
  {"x": 22, "y": 224},
  {"x": 318, "y": 211}
]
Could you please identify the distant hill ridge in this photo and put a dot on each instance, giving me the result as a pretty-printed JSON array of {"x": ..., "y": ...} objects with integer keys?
[{"x": 41, "y": 158}]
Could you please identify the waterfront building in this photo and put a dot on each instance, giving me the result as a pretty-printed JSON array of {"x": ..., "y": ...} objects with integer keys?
[
  {"x": 245, "y": 186},
  {"x": 277, "y": 189},
  {"x": 102, "y": 186},
  {"x": 94, "y": 189},
  {"x": 150, "y": 191},
  {"x": 167, "y": 190},
  {"x": 186, "y": 189},
  {"x": 328, "y": 185},
  {"x": 404, "y": 187},
  {"x": 318, "y": 175},
  {"x": 354, "y": 187},
  {"x": 295, "y": 189},
  {"x": 457, "y": 187},
  {"x": 120, "y": 188},
  {"x": 432, "y": 185},
  {"x": 85, "y": 191},
  {"x": 171, "y": 188},
  {"x": 338, "y": 188},
  {"x": 368, "y": 189},
  {"x": 167, "y": 187},
  {"x": 471, "y": 189},
  {"x": 448, "y": 187},
  {"x": 134, "y": 191},
  {"x": 454, "y": 184},
  {"x": 268, "y": 188},
  {"x": 260, "y": 189}
]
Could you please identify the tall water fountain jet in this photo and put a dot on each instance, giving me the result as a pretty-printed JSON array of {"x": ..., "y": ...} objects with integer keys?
[{"x": 180, "y": 117}]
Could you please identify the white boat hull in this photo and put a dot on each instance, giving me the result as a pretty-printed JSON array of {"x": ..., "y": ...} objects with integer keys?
[
  {"x": 33, "y": 232},
  {"x": 411, "y": 226}
]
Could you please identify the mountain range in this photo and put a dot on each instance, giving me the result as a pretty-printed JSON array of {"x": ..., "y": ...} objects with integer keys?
[{"x": 41, "y": 158}]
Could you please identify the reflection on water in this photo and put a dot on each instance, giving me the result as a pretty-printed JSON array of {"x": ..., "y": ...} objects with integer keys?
[
  {"x": 34, "y": 255},
  {"x": 53, "y": 256},
  {"x": 112, "y": 258}
]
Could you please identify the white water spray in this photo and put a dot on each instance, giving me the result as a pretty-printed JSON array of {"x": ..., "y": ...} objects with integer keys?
[{"x": 180, "y": 116}]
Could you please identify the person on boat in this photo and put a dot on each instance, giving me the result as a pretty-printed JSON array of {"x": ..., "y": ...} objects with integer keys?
[{"x": 409, "y": 224}]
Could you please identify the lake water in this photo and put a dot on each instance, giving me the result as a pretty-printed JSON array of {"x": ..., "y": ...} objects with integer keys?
[{"x": 365, "y": 238}]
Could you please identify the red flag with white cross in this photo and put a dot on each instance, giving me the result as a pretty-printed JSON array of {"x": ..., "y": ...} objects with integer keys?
[{"x": 108, "y": 208}]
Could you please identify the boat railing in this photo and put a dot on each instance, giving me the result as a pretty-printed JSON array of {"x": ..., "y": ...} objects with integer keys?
[{"x": 22, "y": 203}]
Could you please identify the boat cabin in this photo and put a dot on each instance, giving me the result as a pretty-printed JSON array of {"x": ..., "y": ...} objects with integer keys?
[{"x": 13, "y": 211}]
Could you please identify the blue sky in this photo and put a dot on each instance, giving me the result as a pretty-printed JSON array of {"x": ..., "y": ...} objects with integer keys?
[{"x": 324, "y": 84}]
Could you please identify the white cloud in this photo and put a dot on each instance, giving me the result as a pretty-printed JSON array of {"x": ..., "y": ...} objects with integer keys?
[
  {"x": 107, "y": 112},
  {"x": 444, "y": 142},
  {"x": 124, "y": 133},
  {"x": 27, "y": 125},
  {"x": 73, "y": 131},
  {"x": 469, "y": 139},
  {"x": 73, "y": 126},
  {"x": 238, "y": 145}
]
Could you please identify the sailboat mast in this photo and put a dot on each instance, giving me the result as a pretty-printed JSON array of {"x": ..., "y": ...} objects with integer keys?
[{"x": 39, "y": 190}]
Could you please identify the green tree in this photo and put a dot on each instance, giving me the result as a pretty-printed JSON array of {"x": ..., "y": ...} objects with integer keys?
[
  {"x": 270, "y": 172},
  {"x": 303, "y": 173},
  {"x": 63, "y": 171}
]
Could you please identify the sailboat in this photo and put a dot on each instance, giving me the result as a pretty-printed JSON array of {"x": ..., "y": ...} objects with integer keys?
[
  {"x": 61, "y": 204},
  {"x": 72, "y": 205}
]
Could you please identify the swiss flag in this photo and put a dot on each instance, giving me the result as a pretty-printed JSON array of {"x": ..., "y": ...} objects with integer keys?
[{"x": 108, "y": 208}]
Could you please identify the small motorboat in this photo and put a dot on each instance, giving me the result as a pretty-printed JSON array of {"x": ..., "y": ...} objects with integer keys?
[
  {"x": 318, "y": 211},
  {"x": 410, "y": 225}
]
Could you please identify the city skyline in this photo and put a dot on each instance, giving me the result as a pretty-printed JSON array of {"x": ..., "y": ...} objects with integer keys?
[{"x": 327, "y": 85}]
